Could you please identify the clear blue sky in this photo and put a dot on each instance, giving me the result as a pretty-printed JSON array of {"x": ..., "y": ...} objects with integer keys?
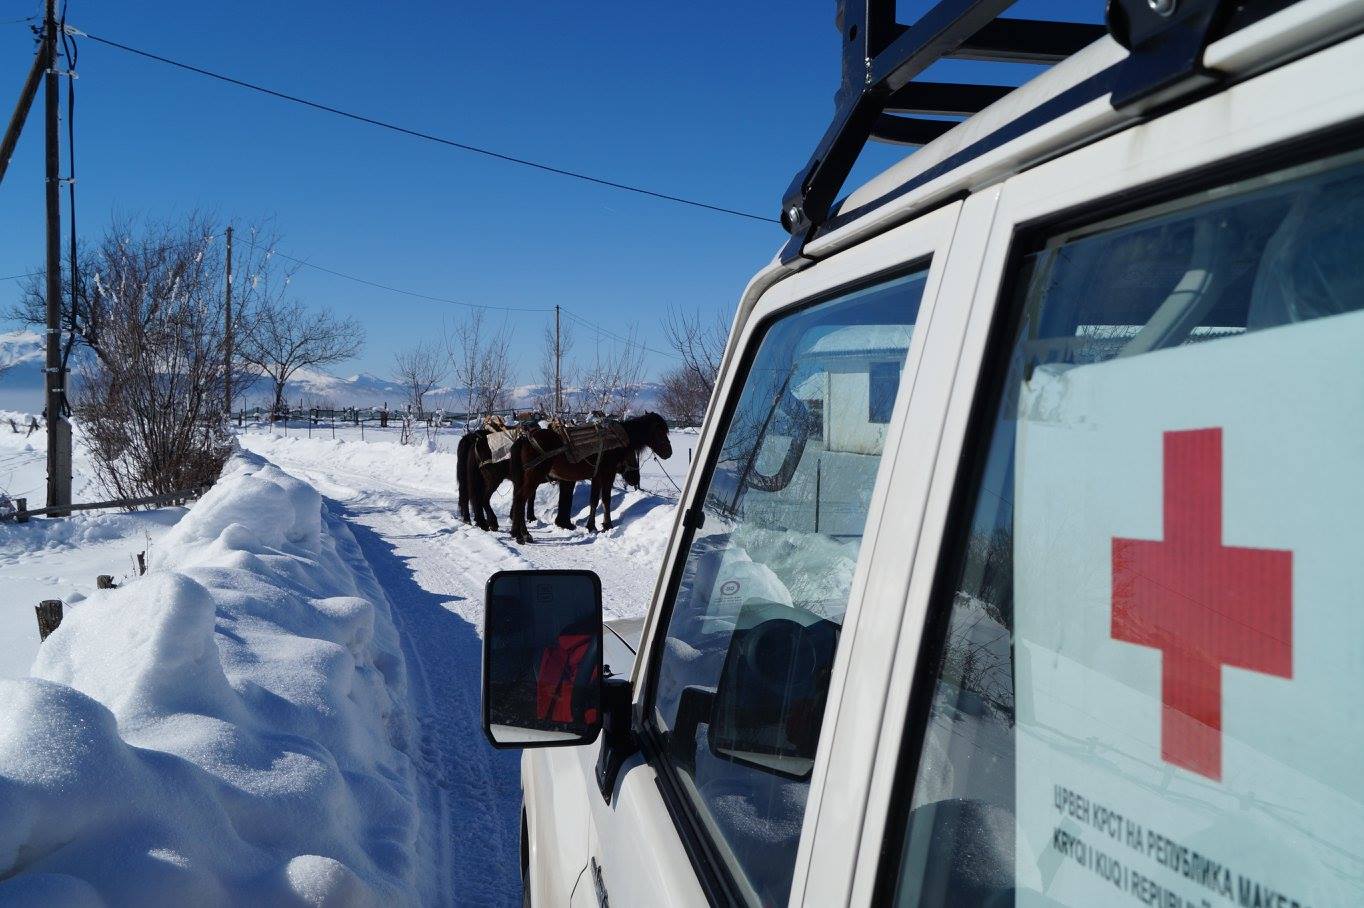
[{"x": 718, "y": 101}]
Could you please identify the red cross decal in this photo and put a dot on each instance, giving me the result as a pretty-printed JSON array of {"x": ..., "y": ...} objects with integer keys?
[{"x": 1201, "y": 603}]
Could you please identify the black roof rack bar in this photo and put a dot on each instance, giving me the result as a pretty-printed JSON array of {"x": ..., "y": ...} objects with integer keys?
[
  {"x": 881, "y": 58},
  {"x": 878, "y": 58},
  {"x": 938, "y": 33},
  {"x": 944, "y": 98},
  {"x": 1028, "y": 41}
]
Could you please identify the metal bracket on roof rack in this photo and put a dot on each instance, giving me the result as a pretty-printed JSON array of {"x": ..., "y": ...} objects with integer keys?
[
  {"x": 880, "y": 60},
  {"x": 1166, "y": 39}
]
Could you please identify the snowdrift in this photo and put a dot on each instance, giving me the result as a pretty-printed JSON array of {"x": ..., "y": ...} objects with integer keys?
[{"x": 229, "y": 729}]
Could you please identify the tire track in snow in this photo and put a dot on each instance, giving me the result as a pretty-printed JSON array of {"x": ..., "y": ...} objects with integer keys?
[{"x": 436, "y": 594}]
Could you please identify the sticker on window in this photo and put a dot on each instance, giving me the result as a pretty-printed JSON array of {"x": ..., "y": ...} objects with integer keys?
[{"x": 1189, "y": 625}]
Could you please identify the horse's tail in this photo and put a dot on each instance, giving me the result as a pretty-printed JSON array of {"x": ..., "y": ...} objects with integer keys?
[{"x": 462, "y": 454}]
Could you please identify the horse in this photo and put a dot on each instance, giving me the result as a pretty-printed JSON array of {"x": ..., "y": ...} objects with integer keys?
[
  {"x": 541, "y": 455},
  {"x": 478, "y": 477},
  {"x": 478, "y": 480}
]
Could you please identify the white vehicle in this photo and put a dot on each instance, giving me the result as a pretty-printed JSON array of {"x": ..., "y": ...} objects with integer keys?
[{"x": 1020, "y": 563}]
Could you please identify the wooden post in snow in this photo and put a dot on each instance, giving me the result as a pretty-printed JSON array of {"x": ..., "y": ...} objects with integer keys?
[{"x": 49, "y": 616}]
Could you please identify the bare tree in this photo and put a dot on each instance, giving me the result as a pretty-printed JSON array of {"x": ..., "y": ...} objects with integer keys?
[
  {"x": 611, "y": 382},
  {"x": 129, "y": 252},
  {"x": 285, "y": 336},
  {"x": 149, "y": 401},
  {"x": 482, "y": 362},
  {"x": 419, "y": 370},
  {"x": 684, "y": 396},
  {"x": 700, "y": 342}
]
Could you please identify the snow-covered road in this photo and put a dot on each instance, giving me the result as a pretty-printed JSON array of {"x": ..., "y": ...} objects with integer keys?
[{"x": 400, "y": 503}]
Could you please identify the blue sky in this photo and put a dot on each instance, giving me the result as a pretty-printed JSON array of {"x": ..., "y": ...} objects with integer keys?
[{"x": 717, "y": 101}]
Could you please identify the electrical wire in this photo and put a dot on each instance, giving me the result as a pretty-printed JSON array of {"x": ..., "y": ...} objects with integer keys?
[
  {"x": 423, "y": 296},
  {"x": 440, "y": 299},
  {"x": 616, "y": 337},
  {"x": 463, "y": 146}
]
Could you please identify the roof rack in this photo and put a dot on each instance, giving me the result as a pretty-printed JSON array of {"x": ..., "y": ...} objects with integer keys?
[{"x": 879, "y": 99}]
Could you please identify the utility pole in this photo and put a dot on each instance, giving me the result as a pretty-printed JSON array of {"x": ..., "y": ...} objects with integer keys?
[
  {"x": 20, "y": 115},
  {"x": 558, "y": 385},
  {"x": 58, "y": 428},
  {"x": 227, "y": 332}
]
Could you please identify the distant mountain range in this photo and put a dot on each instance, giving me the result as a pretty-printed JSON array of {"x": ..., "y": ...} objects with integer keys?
[{"x": 21, "y": 386}]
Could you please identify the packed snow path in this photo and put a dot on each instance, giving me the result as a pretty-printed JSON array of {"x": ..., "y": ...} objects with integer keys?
[{"x": 401, "y": 505}]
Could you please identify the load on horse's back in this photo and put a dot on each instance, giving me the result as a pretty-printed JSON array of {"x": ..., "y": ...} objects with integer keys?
[{"x": 568, "y": 454}]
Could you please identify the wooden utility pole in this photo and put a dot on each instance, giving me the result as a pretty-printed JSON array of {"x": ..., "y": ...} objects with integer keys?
[
  {"x": 20, "y": 115},
  {"x": 58, "y": 428},
  {"x": 227, "y": 332},
  {"x": 558, "y": 385}
]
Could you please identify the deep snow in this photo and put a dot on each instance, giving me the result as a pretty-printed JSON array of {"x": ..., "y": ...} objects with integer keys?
[
  {"x": 285, "y": 709},
  {"x": 231, "y": 728},
  {"x": 58, "y": 559}
]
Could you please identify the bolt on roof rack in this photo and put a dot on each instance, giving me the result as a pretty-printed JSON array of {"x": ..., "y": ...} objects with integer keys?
[{"x": 879, "y": 100}]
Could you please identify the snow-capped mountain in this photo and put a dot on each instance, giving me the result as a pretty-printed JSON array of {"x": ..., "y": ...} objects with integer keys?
[
  {"x": 316, "y": 388},
  {"x": 21, "y": 371},
  {"x": 21, "y": 386}
]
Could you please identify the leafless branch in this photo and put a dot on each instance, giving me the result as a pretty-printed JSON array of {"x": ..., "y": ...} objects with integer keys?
[{"x": 419, "y": 370}]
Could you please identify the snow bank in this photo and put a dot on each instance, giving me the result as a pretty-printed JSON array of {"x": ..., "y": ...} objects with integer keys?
[{"x": 228, "y": 729}]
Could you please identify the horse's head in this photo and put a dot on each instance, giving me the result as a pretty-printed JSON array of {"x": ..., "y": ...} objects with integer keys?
[
  {"x": 629, "y": 469},
  {"x": 656, "y": 435}
]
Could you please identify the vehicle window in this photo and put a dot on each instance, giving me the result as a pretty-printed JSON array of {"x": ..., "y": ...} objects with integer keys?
[
  {"x": 750, "y": 643},
  {"x": 1147, "y": 637}
]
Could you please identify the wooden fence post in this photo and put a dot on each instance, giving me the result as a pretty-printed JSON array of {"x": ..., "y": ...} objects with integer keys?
[
  {"x": 105, "y": 582},
  {"x": 141, "y": 563},
  {"x": 49, "y": 616},
  {"x": 21, "y": 510}
]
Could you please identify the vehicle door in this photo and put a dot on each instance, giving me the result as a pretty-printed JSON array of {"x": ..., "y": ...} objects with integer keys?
[
  {"x": 1131, "y": 661},
  {"x": 765, "y": 572}
]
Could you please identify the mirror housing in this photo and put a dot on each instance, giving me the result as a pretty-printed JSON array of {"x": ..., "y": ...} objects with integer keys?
[{"x": 542, "y": 658}]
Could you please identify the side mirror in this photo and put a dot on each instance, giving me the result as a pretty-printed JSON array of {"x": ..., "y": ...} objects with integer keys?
[
  {"x": 542, "y": 658},
  {"x": 769, "y": 704}
]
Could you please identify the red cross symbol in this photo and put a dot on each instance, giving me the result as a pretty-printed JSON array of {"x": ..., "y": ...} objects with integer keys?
[{"x": 1201, "y": 603}]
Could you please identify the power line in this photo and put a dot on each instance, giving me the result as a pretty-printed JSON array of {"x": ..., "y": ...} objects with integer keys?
[
  {"x": 426, "y": 135},
  {"x": 616, "y": 337},
  {"x": 390, "y": 289},
  {"x": 440, "y": 299}
]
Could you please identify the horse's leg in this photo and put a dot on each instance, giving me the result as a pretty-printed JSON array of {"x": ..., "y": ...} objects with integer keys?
[
  {"x": 607, "y": 480},
  {"x": 517, "y": 472},
  {"x": 477, "y": 489},
  {"x": 565, "y": 517},
  {"x": 529, "y": 484},
  {"x": 530, "y": 504},
  {"x": 485, "y": 500},
  {"x": 518, "y": 514},
  {"x": 593, "y": 494}
]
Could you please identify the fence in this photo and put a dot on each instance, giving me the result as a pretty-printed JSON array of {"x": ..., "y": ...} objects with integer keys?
[
  {"x": 21, "y": 512},
  {"x": 383, "y": 417}
]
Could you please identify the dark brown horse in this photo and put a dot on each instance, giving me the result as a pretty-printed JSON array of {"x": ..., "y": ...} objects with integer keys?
[
  {"x": 540, "y": 456},
  {"x": 478, "y": 480}
]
